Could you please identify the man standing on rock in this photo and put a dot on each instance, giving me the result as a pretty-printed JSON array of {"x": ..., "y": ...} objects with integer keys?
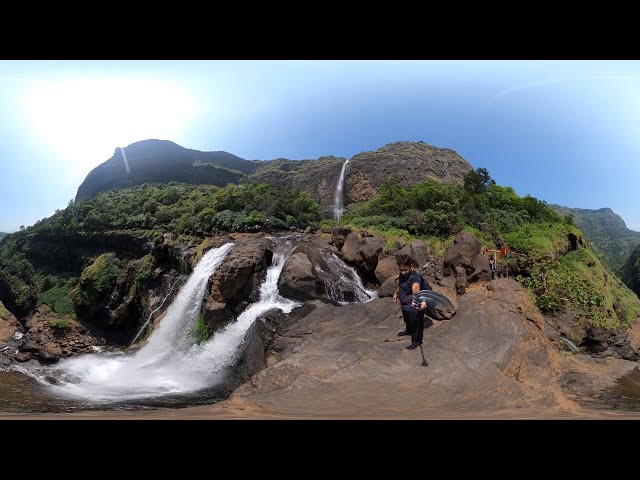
[{"x": 410, "y": 282}]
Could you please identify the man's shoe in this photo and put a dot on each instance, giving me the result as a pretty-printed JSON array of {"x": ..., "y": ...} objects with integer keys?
[
  {"x": 403, "y": 334},
  {"x": 413, "y": 346}
]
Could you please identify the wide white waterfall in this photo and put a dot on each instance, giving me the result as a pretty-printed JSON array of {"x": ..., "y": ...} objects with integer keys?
[
  {"x": 338, "y": 208},
  {"x": 173, "y": 361},
  {"x": 164, "y": 365}
]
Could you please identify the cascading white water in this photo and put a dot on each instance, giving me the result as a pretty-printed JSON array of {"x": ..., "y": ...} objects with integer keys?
[
  {"x": 172, "y": 361},
  {"x": 222, "y": 350},
  {"x": 348, "y": 281},
  {"x": 163, "y": 366},
  {"x": 148, "y": 321},
  {"x": 338, "y": 208},
  {"x": 124, "y": 159}
]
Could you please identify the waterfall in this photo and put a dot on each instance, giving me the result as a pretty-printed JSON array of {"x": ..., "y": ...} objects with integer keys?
[
  {"x": 163, "y": 366},
  {"x": 148, "y": 321},
  {"x": 124, "y": 159},
  {"x": 338, "y": 208},
  {"x": 348, "y": 281}
]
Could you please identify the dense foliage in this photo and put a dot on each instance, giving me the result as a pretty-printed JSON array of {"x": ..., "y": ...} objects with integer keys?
[
  {"x": 559, "y": 279},
  {"x": 185, "y": 208},
  {"x": 440, "y": 209}
]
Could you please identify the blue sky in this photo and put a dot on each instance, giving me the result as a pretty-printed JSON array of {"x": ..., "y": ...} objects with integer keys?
[{"x": 563, "y": 131}]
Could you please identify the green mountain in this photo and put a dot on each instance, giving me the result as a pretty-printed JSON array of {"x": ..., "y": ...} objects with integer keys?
[
  {"x": 2, "y": 235},
  {"x": 608, "y": 233},
  {"x": 108, "y": 255},
  {"x": 161, "y": 161},
  {"x": 630, "y": 271}
]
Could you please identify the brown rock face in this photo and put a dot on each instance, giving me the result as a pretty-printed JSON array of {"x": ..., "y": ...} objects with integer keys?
[
  {"x": 362, "y": 252},
  {"x": 237, "y": 280},
  {"x": 8, "y": 325},
  {"x": 348, "y": 362},
  {"x": 235, "y": 277},
  {"x": 462, "y": 253},
  {"x": 51, "y": 338},
  {"x": 409, "y": 162}
]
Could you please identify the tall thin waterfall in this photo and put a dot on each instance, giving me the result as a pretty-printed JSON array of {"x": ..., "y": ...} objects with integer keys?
[{"x": 338, "y": 208}]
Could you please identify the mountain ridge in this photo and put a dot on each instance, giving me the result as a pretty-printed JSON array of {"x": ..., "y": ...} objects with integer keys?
[
  {"x": 606, "y": 230},
  {"x": 163, "y": 161}
]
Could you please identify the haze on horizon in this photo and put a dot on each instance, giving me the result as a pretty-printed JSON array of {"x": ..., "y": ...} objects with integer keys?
[{"x": 562, "y": 131}]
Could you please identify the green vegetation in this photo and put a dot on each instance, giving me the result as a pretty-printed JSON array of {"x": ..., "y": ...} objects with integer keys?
[
  {"x": 560, "y": 279},
  {"x": 607, "y": 233},
  {"x": 201, "y": 329},
  {"x": 432, "y": 208},
  {"x": 182, "y": 208},
  {"x": 579, "y": 282},
  {"x": 60, "y": 324},
  {"x": 3, "y": 311},
  {"x": 97, "y": 282},
  {"x": 54, "y": 292}
]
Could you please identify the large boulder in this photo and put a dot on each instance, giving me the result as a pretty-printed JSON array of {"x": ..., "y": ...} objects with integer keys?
[
  {"x": 490, "y": 358},
  {"x": 362, "y": 252},
  {"x": 237, "y": 281},
  {"x": 463, "y": 253},
  {"x": 387, "y": 267},
  {"x": 314, "y": 272},
  {"x": 419, "y": 252},
  {"x": 242, "y": 271},
  {"x": 50, "y": 337}
]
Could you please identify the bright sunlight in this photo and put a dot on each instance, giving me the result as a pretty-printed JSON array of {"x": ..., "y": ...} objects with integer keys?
[{"x": 86, "y": 119}]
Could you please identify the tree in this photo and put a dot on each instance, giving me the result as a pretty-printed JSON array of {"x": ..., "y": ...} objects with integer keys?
[{"x": 478, "y": 180}]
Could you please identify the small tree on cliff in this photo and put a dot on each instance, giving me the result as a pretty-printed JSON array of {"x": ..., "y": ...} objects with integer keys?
[{"x": 478, "y": 180}]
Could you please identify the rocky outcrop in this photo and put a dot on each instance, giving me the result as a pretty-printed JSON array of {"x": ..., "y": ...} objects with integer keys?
[
  {"x": 8, "y": 325},
  {"x": 160, "y": 161},
  {"x": 313, "y": 271},
  {"x": 347, "y": 362},
  {"x": 237, "y": 280},
  {"x": 603, "y": 342},
  {"x": 49, "y": 337},
  {"x": 362, "y": 252},
  {"x": 464, "y": 260}
]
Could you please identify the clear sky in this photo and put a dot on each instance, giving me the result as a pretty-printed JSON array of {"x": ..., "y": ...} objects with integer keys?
[{"x": 563, "y": 131}]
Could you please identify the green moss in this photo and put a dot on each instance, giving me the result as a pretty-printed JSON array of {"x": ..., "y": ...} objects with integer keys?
[
  {"x": 539, "y": 239},
  {"x": 201, "y": 329},
  {"x": 3, "y": 311},
  {"x": 97, "y": 281},
  {"x": 579, "y": 282},
  {"x": 206, "y": 244},
  {"x": 60, "y": 324}
]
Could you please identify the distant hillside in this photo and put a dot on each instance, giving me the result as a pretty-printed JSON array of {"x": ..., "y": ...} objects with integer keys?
[
  {"x": 161, "y": 161},
  {"x": 630, "y": 271},
  {"x": 610, "y": 236},
  {"x": 2, "y": 235}
]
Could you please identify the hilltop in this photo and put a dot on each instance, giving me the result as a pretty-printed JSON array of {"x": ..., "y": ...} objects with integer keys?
[
  {"x": 607, "y": 231},
  {"x": 161, "y": 161}
]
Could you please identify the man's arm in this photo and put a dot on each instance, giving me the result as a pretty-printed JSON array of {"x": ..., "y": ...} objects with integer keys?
[{"x": 395, "y": 294}]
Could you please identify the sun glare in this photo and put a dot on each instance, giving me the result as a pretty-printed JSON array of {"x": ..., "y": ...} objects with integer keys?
[{"x": 86, "y": 119}]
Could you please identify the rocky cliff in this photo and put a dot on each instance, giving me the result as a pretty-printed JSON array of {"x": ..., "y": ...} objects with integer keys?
[
  {"x": 161, "y": 161},
  {"x": 157, "y": 161},
  {"x": 607, "y": 231},
  {"x": 630, "y": 271}
]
